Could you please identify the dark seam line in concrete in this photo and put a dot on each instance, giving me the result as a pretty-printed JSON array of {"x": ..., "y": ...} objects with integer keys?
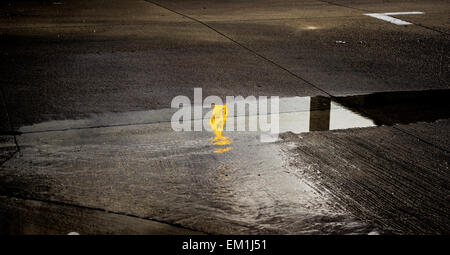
[
  {"x": 168, "y": 121},
  {"x": 441, "y": 32},
  {"x": 421, "y": 140},
  {"x": 9, "y": 119},
  {"x": 157, "y": 122},
  {"x": 399, "y": 129},
  {"x": 243, "y": 46},
  {"x": 412, "y": 135},
  {"x": 102, "y": 210},
  {"x": 8, "y": 158},
  {"x": 138, "y": 124},
  {"x": 369, "y": 11},
  {"x": 94, "y": 127},
  {"x": 426, "y": 27}
]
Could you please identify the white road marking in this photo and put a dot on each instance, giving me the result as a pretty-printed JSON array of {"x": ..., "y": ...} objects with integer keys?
[{"x": 387, "y": 17}]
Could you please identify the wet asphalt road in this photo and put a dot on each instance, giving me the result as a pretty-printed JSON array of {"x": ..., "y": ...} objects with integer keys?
[{"x": 64, "y": 66}]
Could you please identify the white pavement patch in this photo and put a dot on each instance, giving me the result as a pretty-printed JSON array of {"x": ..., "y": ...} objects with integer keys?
[{"x": 387, "y": 17}]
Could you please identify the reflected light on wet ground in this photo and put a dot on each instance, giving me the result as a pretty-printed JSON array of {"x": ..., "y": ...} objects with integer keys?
[
  {"x": 311, "y": 28},
  {"x": 308, "y": 114},
  {"x": 296, "y": 114},
  {"x": 136, "y": 158},
  {"x": 217, "y": 124}
]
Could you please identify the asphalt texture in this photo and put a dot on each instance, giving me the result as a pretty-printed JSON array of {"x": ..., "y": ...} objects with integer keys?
[{"x": 85, "y": 120}]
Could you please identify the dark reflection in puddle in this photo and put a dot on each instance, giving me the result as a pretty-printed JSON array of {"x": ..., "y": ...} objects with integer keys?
[
  {"x": 296, "y": 114},
  {"x": 320, "y": 119},
  {"x": 386, "y": 108},
  {"x": 7, "y": 148},
  {"x": 389, "y": 108}
]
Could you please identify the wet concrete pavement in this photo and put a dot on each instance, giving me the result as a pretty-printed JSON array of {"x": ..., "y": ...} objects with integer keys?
[
  {"x": 88, "y": 84},
  {"x": 384, "y": 175},
  {"x": 156, "y": 173},
  {"x": 82, "y": 57},
  {"x": 347, "y": 181}
]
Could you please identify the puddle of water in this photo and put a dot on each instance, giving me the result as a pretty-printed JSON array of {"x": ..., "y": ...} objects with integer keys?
[
  {"x": 249, "y": 188},
  {"x": 404, "y": 107},
  {"x": 296, "y": 114},
  {"x": 247, "y": 183},
  {"x": 217, "y": 123},
  {"x": 306, "y": 114}
]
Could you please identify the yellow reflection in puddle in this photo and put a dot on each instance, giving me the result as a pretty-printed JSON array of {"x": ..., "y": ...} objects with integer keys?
[
  {"x": 217, "y": 124},
  {"x": 222, "y": 150}
]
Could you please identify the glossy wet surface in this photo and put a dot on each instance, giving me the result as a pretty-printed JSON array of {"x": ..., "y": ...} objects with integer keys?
[
  {"x": 88, "y": 84},
  {"x": 296, "y": 114},
  {"x": 176, "y": 177},
  {"x": 95, "y": 56},
  {"x": 212, "y": 181}
]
